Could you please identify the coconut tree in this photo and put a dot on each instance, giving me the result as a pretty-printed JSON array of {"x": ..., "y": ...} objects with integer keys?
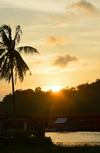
[{"x": 12, "y": 65}]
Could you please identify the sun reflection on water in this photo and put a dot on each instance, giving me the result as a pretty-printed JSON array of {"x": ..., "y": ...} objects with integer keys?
[{"x": 75, "y": 138}]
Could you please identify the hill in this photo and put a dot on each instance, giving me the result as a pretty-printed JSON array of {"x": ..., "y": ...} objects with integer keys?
[{"x": 84, "y": 98}]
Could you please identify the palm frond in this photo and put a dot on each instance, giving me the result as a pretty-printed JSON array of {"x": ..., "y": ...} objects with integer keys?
[
  {"x": 4, "y": 38},
  {"x": 7, "y": 30},
  {"x": 18, "y": 33},
  {"x": 27, "y": 49},
  {"x": 2, "y": 51},
  {"x": 20, "y": 67},
  {"x": 2, "y": 45},
  {"x": 5, "y": 27},
  {"x": 5, "y": 69},
  {"x": 18, "y": 29},
  {"x": 2, "y": 59}
]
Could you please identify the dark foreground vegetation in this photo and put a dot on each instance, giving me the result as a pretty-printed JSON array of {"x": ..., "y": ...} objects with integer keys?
[
  {"x": 21, "y": 143},
  {"x": 84, "y": 98},
  {"x": 18, "y": 148}
]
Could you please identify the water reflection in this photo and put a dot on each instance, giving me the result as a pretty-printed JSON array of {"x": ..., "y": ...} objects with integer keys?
[{"x": 75, "y": 138}]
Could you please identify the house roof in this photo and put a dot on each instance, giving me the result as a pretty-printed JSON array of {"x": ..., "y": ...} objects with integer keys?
[{"x": 61, "y": 120}]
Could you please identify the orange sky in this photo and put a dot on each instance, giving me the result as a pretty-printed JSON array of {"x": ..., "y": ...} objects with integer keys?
[{"x": 67, "y": 35}]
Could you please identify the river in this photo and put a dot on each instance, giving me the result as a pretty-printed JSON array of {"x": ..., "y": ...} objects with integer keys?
[{"x": 75, "y": 138}]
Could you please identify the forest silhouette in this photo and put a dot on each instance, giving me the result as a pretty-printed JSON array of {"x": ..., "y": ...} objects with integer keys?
[{"x": 84, "y": 98}]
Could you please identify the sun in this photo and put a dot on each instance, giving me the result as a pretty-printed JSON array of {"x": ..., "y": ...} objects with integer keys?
[{"x": 55, "y": 88}]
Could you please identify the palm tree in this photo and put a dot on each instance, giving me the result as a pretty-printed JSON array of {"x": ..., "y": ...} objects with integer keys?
[{"x": 12, "y": 66}]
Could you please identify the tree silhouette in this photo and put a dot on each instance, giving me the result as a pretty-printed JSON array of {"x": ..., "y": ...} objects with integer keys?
[{"x": 12, "y": 66}]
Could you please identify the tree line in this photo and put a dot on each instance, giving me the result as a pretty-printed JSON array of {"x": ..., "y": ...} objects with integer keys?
[{"x": 85, "y": 98}]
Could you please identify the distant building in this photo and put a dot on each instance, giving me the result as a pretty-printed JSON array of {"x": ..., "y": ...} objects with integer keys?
[{"x": 61, "y": 124}]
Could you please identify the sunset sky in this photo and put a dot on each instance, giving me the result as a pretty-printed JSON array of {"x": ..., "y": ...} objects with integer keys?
[{"x": 67, "y": 35}]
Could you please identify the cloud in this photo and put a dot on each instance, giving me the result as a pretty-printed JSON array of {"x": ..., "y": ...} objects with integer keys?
[
  {"x": 63, "y": 61},
  {"x": 38, "y": 62},
  {"x": 64, "y": 19},
  {"x": 52, "y": 40},
  {"x": 86, "y": 9},
  {"x": 84, "y": 64},
  {"x": 85, "y": 6}
]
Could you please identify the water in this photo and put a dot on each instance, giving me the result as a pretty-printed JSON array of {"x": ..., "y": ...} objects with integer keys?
[{"x": 75, "y": 138}]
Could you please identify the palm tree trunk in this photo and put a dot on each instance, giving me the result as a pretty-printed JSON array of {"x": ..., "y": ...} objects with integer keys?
[{"x": 13, "y": 92}]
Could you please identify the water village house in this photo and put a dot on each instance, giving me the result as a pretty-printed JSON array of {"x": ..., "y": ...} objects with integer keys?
[
  {"x": 61, "y": 124},
  {"x": 82, "y": 122}
]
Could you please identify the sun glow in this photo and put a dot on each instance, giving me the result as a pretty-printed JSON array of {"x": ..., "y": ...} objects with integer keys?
[{"x": 55, "y": 88}]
